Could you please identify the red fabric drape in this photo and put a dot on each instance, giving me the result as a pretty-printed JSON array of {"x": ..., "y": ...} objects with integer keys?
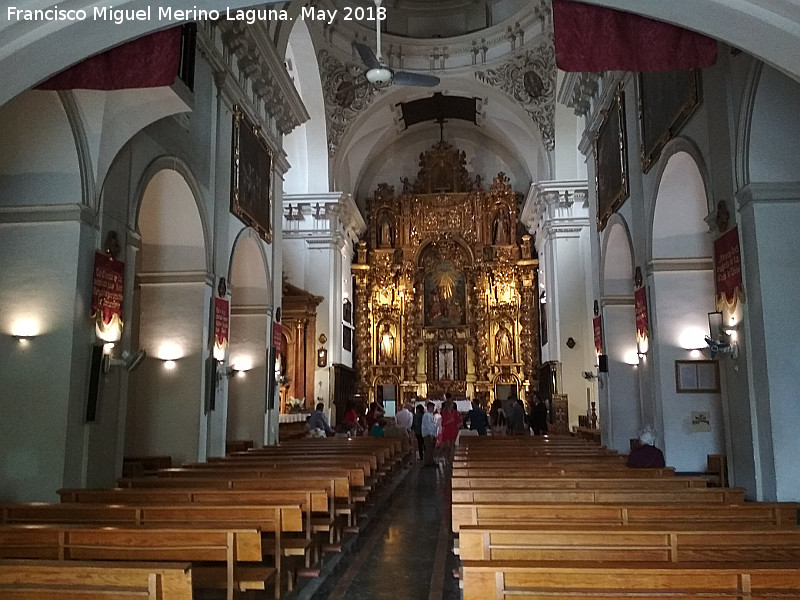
[
  {"x": 592, "y": 38},
  {"x": 150, "y": 61}
]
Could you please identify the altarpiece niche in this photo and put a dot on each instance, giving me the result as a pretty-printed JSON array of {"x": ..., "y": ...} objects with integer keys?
[{"x": 447, "y": 286}]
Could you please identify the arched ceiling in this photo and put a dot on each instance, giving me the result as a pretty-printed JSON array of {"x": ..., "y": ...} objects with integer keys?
[{"x": 768, "y": 29}]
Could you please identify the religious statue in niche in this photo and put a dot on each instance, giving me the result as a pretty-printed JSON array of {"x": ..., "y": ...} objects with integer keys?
[
  {"x": 501, "y": 229},
  {"x": 503, "y": 345},
  {"x": 446, "y": 362},
  {"x": 385, "y": 233},
  {"x": 386, "y": 343},
  {"x": 445, "y": 296}
]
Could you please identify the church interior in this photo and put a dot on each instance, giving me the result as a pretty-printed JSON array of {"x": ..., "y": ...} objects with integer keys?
[{"x": 209, "y": 227}]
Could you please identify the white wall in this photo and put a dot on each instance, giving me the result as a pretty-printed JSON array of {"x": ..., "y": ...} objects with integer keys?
[{"x": 681, "y": 302}]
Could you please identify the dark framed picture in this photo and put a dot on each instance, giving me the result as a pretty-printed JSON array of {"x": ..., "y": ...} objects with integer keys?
[
  {"x": 667, "y": 99},
  {"x": 251, "y": 176},
  {"x": 347, "y": 338},
  {"x": 611, "y": 161},
  {"x": 696, "y": 376},
  {"x": 347, "y": 311}
]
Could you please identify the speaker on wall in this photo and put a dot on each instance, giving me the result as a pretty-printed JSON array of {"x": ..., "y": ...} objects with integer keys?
[{"x": 602, "y": 363}]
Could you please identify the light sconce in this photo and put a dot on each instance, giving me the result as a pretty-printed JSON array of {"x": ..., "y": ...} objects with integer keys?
[
  {"x": 721, "y": 340},
  {"x": 25, "y": 330},
  {"x": 239, "y": 369},
  {"x": 129, "y": 360},
  {"x": 322, "y": 353},
  {"x": 169, "y": 365}
]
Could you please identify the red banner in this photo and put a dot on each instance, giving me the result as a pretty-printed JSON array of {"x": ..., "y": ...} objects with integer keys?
[
  {"x": 220, "y": 322},
  {"x": 597, "y": 324},
  {"x": 150, "y": 61},
  {"x": 728, "y": 267},
  {"x": 277, "y": 336},
  {"x": 595, "y": 38},
  {"x": 107, "y": 288},
  {"x": 640, "y": 308}
]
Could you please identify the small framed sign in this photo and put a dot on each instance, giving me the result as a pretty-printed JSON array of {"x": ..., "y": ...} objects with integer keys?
[{"x": 697, "y": 376}]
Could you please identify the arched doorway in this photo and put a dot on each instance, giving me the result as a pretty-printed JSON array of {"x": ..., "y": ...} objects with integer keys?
[{"x": 166, "y": 398}]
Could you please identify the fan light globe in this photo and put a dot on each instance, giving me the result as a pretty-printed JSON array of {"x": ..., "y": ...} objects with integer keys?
[{"x": 379, "y": 75}]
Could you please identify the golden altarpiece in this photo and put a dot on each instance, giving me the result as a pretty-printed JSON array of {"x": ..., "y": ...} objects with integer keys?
[{"x": 446, "y": 291}]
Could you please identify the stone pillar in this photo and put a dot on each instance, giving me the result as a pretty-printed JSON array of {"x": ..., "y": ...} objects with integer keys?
[{"x": 557, "y": 212}]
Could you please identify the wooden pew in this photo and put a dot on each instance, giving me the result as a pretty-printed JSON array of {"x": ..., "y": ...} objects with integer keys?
[
  {"x": 218, "y": 556},
  {"x": 783, "y": 515},
  {"x": 590, "y": 496},
  {"x": 94, "y": 580},
  {"x": 145, "y": 465},
  {"x": 530, "y": 580},
  {"x": 275, "y": 520},
  {"x": 584, "y": 472},
  {"x": 596, "y": 483},
  {"x": 337, "y": 486},
  {"x": 725, "y": 542}
]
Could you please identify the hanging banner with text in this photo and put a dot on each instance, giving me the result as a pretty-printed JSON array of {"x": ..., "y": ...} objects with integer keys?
[
  {"x": 597, "y": 325},
  {"x": 642, "y": 324},
  {"x": 108, "y": 291},
  {"x": 728, "y": 269},
  {"x": 277, "y": 336},
  {"x": 221, "y": 320}
]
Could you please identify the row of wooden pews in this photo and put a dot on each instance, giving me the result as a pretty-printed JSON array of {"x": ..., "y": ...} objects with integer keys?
[
  {"x": 242, "y": 522},
  {"x": 559, "y": 517}
]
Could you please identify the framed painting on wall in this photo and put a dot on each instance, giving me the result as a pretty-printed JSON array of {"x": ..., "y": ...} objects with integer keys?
[
  {"x": 251, "y": 176},
  {"x": 666, "y": 101},
  {"x": 611, "y": 161}
]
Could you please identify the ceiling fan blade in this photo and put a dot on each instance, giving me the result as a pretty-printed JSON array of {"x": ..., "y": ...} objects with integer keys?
[
  {"x": 415, "y": 79},
  {"x": 367, "y": 56}
]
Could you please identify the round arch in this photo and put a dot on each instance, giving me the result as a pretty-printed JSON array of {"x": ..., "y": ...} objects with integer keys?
[
  {"x": 243, "y": 239},
  {"x": 768, "y": 30},
  {"x": 616, "y": 271},
  {"x": 173, "y": 163}
]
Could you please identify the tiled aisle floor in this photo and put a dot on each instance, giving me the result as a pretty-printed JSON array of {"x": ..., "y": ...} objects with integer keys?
[{"x": 406, "y": 553}]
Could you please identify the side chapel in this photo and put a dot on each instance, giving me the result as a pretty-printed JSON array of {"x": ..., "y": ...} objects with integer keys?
[{"x": 445, "y": 288}]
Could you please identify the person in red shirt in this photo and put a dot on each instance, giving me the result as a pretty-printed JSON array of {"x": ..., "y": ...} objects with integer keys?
[{"x": 451, "y": 423}]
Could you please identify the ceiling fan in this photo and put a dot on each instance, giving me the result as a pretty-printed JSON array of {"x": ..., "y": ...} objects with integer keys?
[{"x": 378, "y": 72}]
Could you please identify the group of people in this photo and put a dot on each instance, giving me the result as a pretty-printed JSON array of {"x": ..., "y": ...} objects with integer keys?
[
  {"x": 434, "y": 430},
  {"x": 515, "y": 421}
]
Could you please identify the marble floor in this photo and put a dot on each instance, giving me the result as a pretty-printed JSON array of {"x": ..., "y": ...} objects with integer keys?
[{"x": 406, "y": 550}]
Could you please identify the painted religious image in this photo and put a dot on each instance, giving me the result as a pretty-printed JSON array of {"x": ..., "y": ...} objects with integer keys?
[
  {"x": 504, "y": 345},
  {"x": 445, "y": 297},
  {"x": 386, "y": 343}
]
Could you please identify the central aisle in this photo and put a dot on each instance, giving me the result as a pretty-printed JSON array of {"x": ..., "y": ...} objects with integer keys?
[{"x": 405, "y": 552}]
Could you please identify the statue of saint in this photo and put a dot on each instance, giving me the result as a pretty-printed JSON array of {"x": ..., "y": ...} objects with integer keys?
[
  {"x": 386, "y": 344},
  {"x": 502, "y": 344},
  {"x": 500, "y": 229},
  {"x": 385, "y": 238}
]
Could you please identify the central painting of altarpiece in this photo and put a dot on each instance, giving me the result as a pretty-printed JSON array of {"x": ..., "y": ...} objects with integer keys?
[{"x": 445, "y": 288}]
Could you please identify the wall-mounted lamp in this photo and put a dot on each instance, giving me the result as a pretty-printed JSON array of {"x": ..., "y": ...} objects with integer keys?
[
  {"x": 129, "y": 360},
  {"x": 169, "y": 365},
  {"x": 721, "y": 340},
  {"x": 25, "y": 330},
  {"x": 322, "y": 352}
]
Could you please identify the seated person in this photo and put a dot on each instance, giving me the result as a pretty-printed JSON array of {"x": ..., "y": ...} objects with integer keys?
[
  {"x": 646, "y": 455},
  {"x": 318, "y": 420}
]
